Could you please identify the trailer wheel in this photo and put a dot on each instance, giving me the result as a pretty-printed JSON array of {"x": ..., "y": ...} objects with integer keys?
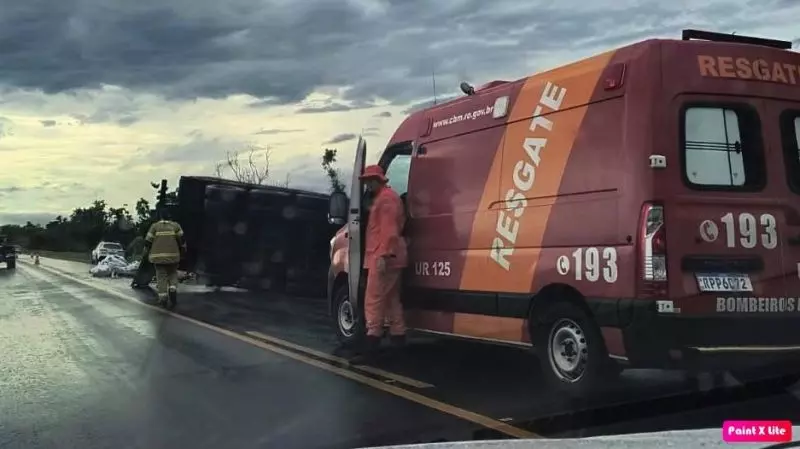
[
  {"x": 571, "y": 351},
  {"x": 348, "y": 319}
]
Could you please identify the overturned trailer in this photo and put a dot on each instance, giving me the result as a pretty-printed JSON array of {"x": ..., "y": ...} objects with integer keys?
[{"x": 254, "y": 236}]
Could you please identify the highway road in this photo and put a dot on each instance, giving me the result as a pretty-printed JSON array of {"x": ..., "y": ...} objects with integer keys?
[{"x": 91, "y": 363}]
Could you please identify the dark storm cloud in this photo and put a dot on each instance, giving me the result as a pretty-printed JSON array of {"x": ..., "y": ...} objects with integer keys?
[
  {"x": 333, "y": 107},
  {"x": 179, "y": 48},
  {"x": 127, "y": 120},
  {"x": 272, "y": 132},
  {"x": 383, "y": 114},
  {"x": 339, "y": 138},
  {"x": 48, "y": 123},
  {"x": 108, "y": 114},
  {"x": 281, "y": 51},
  {"x": 265, "y": 103}
]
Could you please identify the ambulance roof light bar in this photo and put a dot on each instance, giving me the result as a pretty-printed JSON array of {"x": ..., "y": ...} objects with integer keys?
[{"x": 736, "y": 39}]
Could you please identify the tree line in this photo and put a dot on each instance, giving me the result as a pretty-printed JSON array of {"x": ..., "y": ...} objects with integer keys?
[{"x": 81, "y": 230}]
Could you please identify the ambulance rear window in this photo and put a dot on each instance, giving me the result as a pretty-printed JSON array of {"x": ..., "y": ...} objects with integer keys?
[
  {"x": 722, "y": 148},
  {"x": 790, "y": 130}
]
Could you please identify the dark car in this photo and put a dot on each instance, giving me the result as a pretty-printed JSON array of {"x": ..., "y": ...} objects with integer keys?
[{"x": 8, "y": 253}]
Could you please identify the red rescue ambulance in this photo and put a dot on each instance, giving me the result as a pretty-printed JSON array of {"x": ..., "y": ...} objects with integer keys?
[{"x": 639, "y": 208}]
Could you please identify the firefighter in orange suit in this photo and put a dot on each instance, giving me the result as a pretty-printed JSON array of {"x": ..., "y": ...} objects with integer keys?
[
  {"x": 385, "y": 257},
  {"x": 165, "y": 244}
]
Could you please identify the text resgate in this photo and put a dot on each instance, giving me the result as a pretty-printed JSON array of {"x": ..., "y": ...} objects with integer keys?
[{"x": 748, "y": 69}]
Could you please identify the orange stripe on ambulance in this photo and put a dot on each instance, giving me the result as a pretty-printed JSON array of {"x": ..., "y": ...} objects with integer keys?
[{"x": 524, "y": 176}]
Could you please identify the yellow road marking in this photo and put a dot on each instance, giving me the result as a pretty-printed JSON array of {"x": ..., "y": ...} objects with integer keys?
[
  {"x": 365, "y": 368},
  {"x": 466, "y": 415}
]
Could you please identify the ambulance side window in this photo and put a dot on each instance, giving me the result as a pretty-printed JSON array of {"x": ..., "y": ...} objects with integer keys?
[
  {"x": 790, "y": 135},
  {"x": 398, "y": 171},
  {"x": 722, "y": 148}
]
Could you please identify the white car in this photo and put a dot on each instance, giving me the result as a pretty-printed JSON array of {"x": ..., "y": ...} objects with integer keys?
[{"x": 104, "y": 249}]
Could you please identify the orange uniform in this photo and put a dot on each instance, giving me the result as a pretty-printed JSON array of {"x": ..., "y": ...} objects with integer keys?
[
  {"x": 384, "y": 230},
  {"x": 384, "y": 240}
]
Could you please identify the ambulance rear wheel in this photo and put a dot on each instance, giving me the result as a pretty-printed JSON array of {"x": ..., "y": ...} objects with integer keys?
[
  {"x": 571, "y": 351},
  {"x": 348, "y": 318}
]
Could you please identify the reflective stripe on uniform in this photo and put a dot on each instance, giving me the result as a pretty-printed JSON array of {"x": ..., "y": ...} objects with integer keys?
[{"x": 157, "y": 255}]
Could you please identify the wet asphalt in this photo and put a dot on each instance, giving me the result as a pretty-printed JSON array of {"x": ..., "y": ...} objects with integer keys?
[{"x": 84, "y": 367}]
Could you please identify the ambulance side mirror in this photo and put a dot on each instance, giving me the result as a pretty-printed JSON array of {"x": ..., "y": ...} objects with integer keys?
[{"x": 337, "y": 208}]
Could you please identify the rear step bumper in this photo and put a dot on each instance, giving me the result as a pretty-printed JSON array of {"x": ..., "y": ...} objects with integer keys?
[{"x": 706, "y": 342}]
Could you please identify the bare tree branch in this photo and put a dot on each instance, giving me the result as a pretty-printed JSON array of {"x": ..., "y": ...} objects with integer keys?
[{"x": 254, "y": 171}]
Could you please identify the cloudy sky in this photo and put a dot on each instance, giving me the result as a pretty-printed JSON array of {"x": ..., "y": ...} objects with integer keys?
[{"x": 99, "y": 97}]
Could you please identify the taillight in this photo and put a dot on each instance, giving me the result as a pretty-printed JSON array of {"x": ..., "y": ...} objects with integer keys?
[{"x": 653, "y": 251}]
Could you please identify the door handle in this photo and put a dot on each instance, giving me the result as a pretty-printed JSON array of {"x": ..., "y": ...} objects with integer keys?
[{"x": 794, "y": 241}]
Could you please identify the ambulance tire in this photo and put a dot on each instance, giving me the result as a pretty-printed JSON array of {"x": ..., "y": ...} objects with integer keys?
[
  {"x": 582, "y": 369},
  {"x": 348, "y": 322}
]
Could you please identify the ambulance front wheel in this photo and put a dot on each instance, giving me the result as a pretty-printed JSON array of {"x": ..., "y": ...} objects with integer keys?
[
  {"x": 348, "y": 318},
  {"x": 571, "y": 351}
]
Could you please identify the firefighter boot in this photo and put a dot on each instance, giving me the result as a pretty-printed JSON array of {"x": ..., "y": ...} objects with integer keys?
[
  {"x": 369, "y": 350},
  {"x": 172, "y": 297}
]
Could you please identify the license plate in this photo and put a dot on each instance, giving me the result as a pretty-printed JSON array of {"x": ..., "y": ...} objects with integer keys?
[{"x": 724, "y": 283}]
